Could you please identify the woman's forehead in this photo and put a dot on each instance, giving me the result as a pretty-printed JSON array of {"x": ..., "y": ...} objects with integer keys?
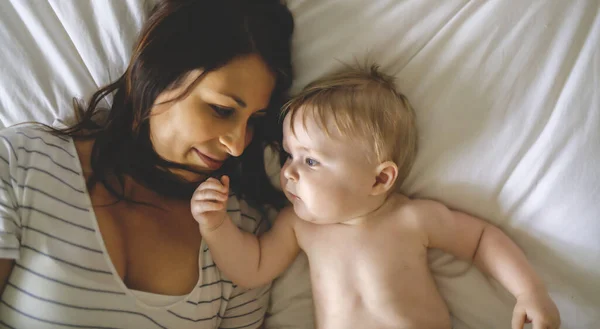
[{"x": 248, "y": 80}]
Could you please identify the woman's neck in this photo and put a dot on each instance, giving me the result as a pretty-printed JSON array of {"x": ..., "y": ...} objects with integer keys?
[{"x": 132, "y": 190}]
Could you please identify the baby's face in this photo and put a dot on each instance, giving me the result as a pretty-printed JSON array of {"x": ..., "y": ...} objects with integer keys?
[{"x": 327, "y": 178}]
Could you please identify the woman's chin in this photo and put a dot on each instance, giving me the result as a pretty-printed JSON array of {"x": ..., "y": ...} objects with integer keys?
[{"x": 190, "y": 176}]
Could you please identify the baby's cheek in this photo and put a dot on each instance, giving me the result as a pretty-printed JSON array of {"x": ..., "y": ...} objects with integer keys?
[{"x": 282, "y": 179}]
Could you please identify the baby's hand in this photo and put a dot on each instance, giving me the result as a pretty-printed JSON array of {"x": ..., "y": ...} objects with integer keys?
[
  {"x": 536, "y": 307},
  {"x": 209, "y": 203}
]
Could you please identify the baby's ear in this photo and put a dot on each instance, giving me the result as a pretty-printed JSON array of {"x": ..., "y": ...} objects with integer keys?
[{"x": 387, "y": 173}]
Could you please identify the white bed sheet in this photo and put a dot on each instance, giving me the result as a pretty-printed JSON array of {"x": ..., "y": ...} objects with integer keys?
[
  {"x": 507, "y": 99},
  {"x": 52, "y": 51}
]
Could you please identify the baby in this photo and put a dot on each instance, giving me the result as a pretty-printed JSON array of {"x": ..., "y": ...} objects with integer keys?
[{"x": 350, "y": 139}]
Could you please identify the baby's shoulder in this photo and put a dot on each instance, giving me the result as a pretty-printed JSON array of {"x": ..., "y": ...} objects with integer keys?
[
  {"x": 413, "y": 210},
  {"x": 402, "y": 203}
]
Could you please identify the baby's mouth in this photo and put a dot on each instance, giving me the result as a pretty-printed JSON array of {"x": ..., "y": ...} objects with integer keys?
[{"x": 293, "y": 195}]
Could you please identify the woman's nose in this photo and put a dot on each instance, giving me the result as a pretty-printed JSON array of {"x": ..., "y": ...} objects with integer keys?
[{"x": 237, "y": 139}]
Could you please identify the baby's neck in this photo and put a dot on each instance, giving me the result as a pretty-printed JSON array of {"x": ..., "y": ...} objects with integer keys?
[{"x": 377, "y": 208}]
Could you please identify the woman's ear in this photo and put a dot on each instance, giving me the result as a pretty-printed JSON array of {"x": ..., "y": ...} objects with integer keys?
[{"x": 387, "y": 173}]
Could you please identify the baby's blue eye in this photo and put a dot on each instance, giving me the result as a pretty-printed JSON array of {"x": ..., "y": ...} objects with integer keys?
[{"x": 311, "y": 162}]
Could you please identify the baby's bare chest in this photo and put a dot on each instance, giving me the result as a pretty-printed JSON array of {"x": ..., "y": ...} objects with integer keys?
[
  {"x": 351, "y": 255},
  {"x": 377, "y": 276}
]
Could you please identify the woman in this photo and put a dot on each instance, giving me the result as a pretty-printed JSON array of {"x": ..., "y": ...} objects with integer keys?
[{"x": 95, "y": 222}]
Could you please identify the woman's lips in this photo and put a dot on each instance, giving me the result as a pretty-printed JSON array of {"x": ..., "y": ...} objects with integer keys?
[{"x": 210, "y": 162}]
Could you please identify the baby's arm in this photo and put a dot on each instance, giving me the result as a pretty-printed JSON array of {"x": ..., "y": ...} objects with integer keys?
[
  {"x": 494, "y": 253},
  {"x": 245, "y": 259}
]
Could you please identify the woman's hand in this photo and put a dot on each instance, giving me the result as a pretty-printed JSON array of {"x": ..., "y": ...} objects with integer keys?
[
  {"x": 536, "y": 307},
  {"x": 209, "y": 203}
]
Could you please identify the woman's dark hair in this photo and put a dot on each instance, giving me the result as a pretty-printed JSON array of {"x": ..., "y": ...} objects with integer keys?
[{"x": 181, "y": 36}]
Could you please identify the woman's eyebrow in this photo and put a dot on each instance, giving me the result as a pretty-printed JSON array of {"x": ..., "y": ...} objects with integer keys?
[
  {"x": 240, "y": 102},
  {"x": 237, "y": 99}
]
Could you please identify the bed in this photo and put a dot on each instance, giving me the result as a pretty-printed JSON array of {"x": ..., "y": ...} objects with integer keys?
[{"x": 507, "y": 95}]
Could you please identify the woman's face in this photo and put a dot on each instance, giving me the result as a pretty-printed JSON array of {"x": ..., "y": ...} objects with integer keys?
[{"x": 213, "y": 121}]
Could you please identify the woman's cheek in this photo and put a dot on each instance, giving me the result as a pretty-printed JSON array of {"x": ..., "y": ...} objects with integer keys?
[{"x": 248, "y": 137}]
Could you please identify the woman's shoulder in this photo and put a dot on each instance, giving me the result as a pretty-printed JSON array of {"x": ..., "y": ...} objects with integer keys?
[
  {"x": 28, "y": 149},
  {"x": 34, "y": 135},
  {"x": 28, "y": 140}
]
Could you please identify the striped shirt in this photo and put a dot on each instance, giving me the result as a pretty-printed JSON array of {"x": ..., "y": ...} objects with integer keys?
[{"x": 63, "y": 276}]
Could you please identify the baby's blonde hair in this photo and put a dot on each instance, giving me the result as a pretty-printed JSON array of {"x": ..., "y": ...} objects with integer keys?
[{"x": 367, "y": 109}]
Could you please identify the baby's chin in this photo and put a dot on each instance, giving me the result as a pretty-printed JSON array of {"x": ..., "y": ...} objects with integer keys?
[
  {"x": 307, "y": 216},
  {"x": 301, "y": 211}
]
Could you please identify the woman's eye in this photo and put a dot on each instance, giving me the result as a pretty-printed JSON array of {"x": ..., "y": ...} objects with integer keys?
[
  {"x": 311, "y": 162},
  {"x": 222, "y": 111},
  {"x": 254, "y": 120}
]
